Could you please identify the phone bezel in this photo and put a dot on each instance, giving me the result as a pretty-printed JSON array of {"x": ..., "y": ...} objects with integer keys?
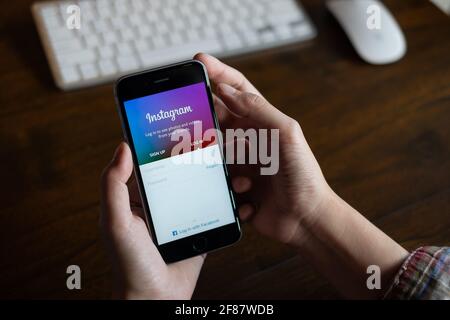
[{"x": 159, "y": 80}]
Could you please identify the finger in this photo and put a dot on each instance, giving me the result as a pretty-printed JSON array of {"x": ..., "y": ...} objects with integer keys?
[
  {"x": 219, "y": 72},
  {"x": 246, "y": 211},
  {"x": 221, "y": 111},
  {"x": 253, "y": 108},
  {"x": 115, "y": 200},
  {"x": 135, "y": 198},
  {"x": 133, "y": 191},
  {"x": 242, "y": 184},
  {"x": 236, "y": 149},
  {"x": 138, "y": 212}
]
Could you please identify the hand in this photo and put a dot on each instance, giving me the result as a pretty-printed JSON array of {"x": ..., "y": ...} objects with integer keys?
[
  {"x": 139, "y": 270},
  {"x": 296, "y": 205},
  {"x": 277, "y": 204}
]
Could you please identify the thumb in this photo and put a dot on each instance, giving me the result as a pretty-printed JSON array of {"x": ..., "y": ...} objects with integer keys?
[
  {"x": 253, "y": 107},
  {"x": 115, "y": 201}
]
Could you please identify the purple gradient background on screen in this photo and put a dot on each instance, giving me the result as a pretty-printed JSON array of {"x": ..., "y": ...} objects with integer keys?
[{"x": 193, "y": 95}]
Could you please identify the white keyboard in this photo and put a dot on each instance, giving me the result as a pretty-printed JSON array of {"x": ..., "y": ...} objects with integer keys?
[{"x": 117, "y": 37}]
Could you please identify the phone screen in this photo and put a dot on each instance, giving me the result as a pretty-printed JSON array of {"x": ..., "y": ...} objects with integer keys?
[{"x": 185, "y": 197}]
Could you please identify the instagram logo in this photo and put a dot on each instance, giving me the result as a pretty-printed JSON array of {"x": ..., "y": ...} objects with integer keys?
[{"x": 172, "y": 114}]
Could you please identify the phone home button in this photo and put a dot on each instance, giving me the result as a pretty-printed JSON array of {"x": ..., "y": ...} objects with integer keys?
[{"x": 199, "y": 244}]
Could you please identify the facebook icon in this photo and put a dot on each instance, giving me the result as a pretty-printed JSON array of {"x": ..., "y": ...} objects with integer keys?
[{"x": 174, "y": 233}]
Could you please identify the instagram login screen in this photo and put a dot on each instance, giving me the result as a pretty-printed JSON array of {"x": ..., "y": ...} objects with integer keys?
[{"x": 187, "y": 191}]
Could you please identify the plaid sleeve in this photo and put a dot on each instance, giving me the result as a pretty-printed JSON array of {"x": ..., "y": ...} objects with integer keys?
[{"x": 424, "y": 275}]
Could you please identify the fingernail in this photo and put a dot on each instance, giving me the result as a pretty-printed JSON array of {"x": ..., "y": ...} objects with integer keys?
[{"x": 226, "y": 89}]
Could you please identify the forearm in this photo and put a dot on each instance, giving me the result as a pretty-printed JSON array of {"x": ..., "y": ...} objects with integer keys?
[{"x": 341, "y": 244}]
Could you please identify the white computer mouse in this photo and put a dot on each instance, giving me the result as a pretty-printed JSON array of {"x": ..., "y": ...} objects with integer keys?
[{"x": 371, "y": 28}]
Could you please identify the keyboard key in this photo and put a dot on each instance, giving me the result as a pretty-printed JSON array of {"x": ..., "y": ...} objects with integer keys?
[
  {"x": 49, "y": 12},
  {"x": 138, "y": 5},
  {"x": 55, "y": 25},
  {"x": 70, "y": 74},
  {"x": 142, "y": 45},
  {"x": 119, "y": 23},
  {"x": 151, "y": 16},
  {"x": 122, "y": 9},
  {"x": 88, "y": 71},
  {"x": 106, "y": 52},
  {"x": 233, "y": 42},
  {"x": 92, "y": 40},
  {"x": 169, "y": 14},
  {"x": 86, "y": 5},
  {"x": 258, "y": 23},
  {"x": 162, "y": 27},
  {"x": 145, "y": 31},
  {"x": 110, "y": 38},
  {"x": 195, "y": 21},
  {"x": 56, "y": 34},
  {"x": 127, "y": 34},
  {"x": 156, "y": 57},
  {"x": 64, "y": 46},
  {"x": 107, "y": 67},
  {"x": 176, "y": 39},
  {"x": 268, "y": 36},
  {"x": 137, "y": 19},
  {"x": 127, "y": 63},
  {"x": 225, "y": 30},
  {"x": 159, "y": 41},
  {"x": 124, "y": 49},
  {"x": 104, "y": 11},
  {"x": 209, "y": 32},
  {"x": 86, "y": 28},
  {"x": 101, "y": 26},
  {"x": 88, "y": 15},
  {"x": 178, "y": 25},
  {"x": 283, "y": 31},
  {"x": 193, "y": 34},
  {"x": 72, "y": 58},
  {"x": 301, "y": 30}
]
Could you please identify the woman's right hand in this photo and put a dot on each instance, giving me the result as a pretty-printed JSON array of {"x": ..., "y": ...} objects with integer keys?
[
  {"x": 296, "y": 205},
  {"x": 276, "y": 204}
]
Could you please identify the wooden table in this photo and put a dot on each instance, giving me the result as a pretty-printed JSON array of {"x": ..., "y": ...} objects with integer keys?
[{"x": 381, "y": 135}]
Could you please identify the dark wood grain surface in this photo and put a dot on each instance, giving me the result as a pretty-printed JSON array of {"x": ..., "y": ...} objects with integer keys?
[{"x": 381, "y": 135}]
